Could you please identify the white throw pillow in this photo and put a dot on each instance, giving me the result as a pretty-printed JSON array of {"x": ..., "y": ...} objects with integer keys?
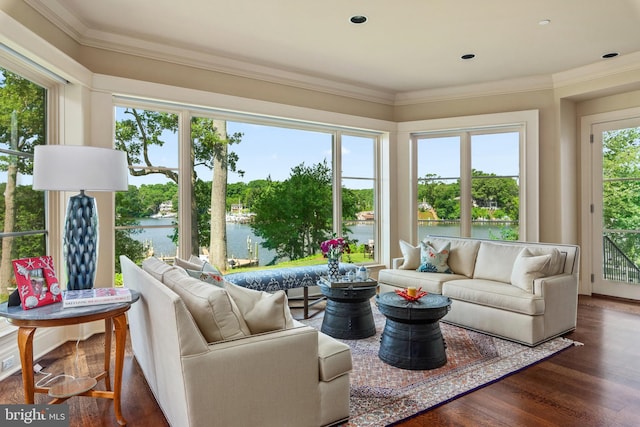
[
  {"x": 262, "y": 311},
  {"x": 187, "y": 265},
  {"x": 411, "y": 255},
  {"x": 433, "y": 260},
  {"x": 527, "y": 268},
  {"x": 212, "y": 309}
]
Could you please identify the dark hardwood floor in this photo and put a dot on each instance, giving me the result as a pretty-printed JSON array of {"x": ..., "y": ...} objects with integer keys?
[{"x": 597, "y": 384}]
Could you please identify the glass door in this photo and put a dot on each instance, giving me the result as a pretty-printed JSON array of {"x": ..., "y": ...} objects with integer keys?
[{"x": 616, "y": 208}]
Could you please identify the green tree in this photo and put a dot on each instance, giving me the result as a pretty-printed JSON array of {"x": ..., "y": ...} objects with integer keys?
[
  {"x": 621, "y": 188},
  {"x": 22, "y": 126},
  {"x": 295, "y": 216}
]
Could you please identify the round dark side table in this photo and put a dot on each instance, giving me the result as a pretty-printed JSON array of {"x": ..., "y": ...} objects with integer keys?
[
  {"x": 412, "y": 338},
  {"x": 348, "y": 312},
  {"x": 114, "y": 316}
]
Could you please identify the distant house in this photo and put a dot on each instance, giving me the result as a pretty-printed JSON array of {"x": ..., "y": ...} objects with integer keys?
[
  {"x": 236, "y": 208},
  {"x": 365, "y": 216}
]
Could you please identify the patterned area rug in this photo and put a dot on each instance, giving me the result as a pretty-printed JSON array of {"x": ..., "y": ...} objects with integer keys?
[{"x": 382, "y": 395}]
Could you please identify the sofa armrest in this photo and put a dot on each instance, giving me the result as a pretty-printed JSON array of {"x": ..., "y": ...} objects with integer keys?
[
  {"x": 396, "y": 263},
  {"x": 248, "y": 380},
  {"x": 560, "y": 294}
]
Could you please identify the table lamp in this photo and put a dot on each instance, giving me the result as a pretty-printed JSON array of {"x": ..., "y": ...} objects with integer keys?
[{"x": 80, "y": 168}]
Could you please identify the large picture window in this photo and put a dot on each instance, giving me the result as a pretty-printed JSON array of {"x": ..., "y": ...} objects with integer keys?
[
  {"x": 22, "y": 210},
  {"x": 253, "y": 191},
  {"x": 469, "y": 184}
]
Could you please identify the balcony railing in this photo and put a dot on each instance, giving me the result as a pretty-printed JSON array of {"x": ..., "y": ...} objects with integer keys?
[{"x": 616, "y": 265}]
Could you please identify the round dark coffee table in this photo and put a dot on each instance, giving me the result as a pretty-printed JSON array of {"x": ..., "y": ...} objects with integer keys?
[
  {"x": 412, "y": 338},
  {"x": 348, "y": 312}
]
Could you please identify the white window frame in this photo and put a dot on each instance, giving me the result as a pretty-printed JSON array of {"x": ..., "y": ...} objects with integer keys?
[
  {"x": 186, "y": 112},
  {"x": 526, "y": 120}
]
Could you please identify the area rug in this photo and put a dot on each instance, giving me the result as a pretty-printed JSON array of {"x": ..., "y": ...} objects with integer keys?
[{"x": 382, "y": 395}]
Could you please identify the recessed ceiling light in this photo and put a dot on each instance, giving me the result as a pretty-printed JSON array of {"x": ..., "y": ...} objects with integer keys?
[
  {"x": 610, "y": 55},
  {"x": 358, "y": 19},
  {"x": 544, "y": 22},
  {"x": 468, "y": 56}
]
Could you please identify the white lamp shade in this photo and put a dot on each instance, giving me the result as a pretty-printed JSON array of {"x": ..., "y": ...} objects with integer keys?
[{"x": 79, "y": 167}]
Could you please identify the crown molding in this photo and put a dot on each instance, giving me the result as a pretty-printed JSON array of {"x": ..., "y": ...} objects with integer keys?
[
  {"x": 501, "y": 87},
  {"x": 59, "y": 16},
  {"x": 597, "y": 70}
]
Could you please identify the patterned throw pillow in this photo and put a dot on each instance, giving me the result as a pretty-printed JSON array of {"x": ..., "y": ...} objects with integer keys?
[
  {"x": 201, "y": 270},
  {"x": 209, "y": 274},
  {"x": 432, "y": 260}
]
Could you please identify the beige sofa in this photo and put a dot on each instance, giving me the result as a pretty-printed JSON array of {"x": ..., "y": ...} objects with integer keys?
[
  {"x": 206, "y": 366},
  {"x": 524, "y": 292}
]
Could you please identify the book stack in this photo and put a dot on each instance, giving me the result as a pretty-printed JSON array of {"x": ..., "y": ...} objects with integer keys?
[{"x": 95, "y": 296}]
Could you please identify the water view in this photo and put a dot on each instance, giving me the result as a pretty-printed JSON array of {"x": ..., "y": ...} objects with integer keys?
[{"x": 242, "y": 243}]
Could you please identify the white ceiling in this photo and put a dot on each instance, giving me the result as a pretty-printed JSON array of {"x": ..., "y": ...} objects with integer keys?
[{"x": 405, "y": 46}]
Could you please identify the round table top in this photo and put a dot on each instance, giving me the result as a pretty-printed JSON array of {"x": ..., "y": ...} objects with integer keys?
[
  {"x": 428, "y": 301},
  {"x": 429, "y": 307},
  {"x": 54, "y": 312}
]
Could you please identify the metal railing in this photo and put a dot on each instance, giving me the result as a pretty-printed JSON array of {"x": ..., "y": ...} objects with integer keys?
[{"x": 616, "y": 265}]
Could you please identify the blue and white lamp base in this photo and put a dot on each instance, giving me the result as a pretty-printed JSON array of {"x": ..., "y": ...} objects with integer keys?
[{"x": 81, "y": 241}]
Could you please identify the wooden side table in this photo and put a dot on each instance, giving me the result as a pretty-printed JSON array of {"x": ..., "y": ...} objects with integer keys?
[{"x": 52, "y": 315}]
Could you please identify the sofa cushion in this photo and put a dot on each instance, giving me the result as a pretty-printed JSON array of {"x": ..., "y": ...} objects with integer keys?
[
  {"x": 410, "y": 255},
  {"x": 527, "y": 268},
  {"x": 262, "y": 311},
  {"x": 556, "y": 262},
  {"x": 156, "y": 267},
  {"x": 334, "y": 357},
  {"x": 462, "y": 255},
  {"x": 495, "y": 261},
  {"x": 434, "y": 260},
  {"x": 431, "y": 282},
  {"x": 494, "y": 294},
  {"x": 213, "y": 310},
  {"x": 171, "y": 277}
]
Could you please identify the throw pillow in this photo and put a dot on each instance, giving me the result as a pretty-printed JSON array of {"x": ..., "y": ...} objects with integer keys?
[
  {"x": 212, "y": 309},
  {"x": 432, "y": 260},
  {"x": 262, "y": 311},
  {"x": 201, "y": 270},
  {"x": 191, "y": 264},
  {"x": 527, "y": 268},
  {"x": 411, "y": 255}
]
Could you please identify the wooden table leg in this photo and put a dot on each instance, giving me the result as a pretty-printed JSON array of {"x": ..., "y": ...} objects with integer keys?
[
  {"x": 120, "y": 323},
  {"x": 305, "y": 293},
  {"x": 25, "y": 345},
  {"x": 108, "y": 331}
]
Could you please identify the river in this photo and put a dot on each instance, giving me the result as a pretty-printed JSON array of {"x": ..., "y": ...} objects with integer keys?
[{"x": 240, "y": 237}]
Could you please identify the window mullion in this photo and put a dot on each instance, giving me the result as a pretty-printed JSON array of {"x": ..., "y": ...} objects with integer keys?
[
  {"x": 336, "y": 168},
  {"x": 465, "y": 185}
]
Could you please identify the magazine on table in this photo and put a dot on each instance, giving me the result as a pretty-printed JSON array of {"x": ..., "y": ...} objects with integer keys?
[{"x": 80, "y": 297}]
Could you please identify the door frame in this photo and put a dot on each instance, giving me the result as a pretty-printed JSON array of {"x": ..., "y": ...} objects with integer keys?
[{"x": 591, "y": 246}]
